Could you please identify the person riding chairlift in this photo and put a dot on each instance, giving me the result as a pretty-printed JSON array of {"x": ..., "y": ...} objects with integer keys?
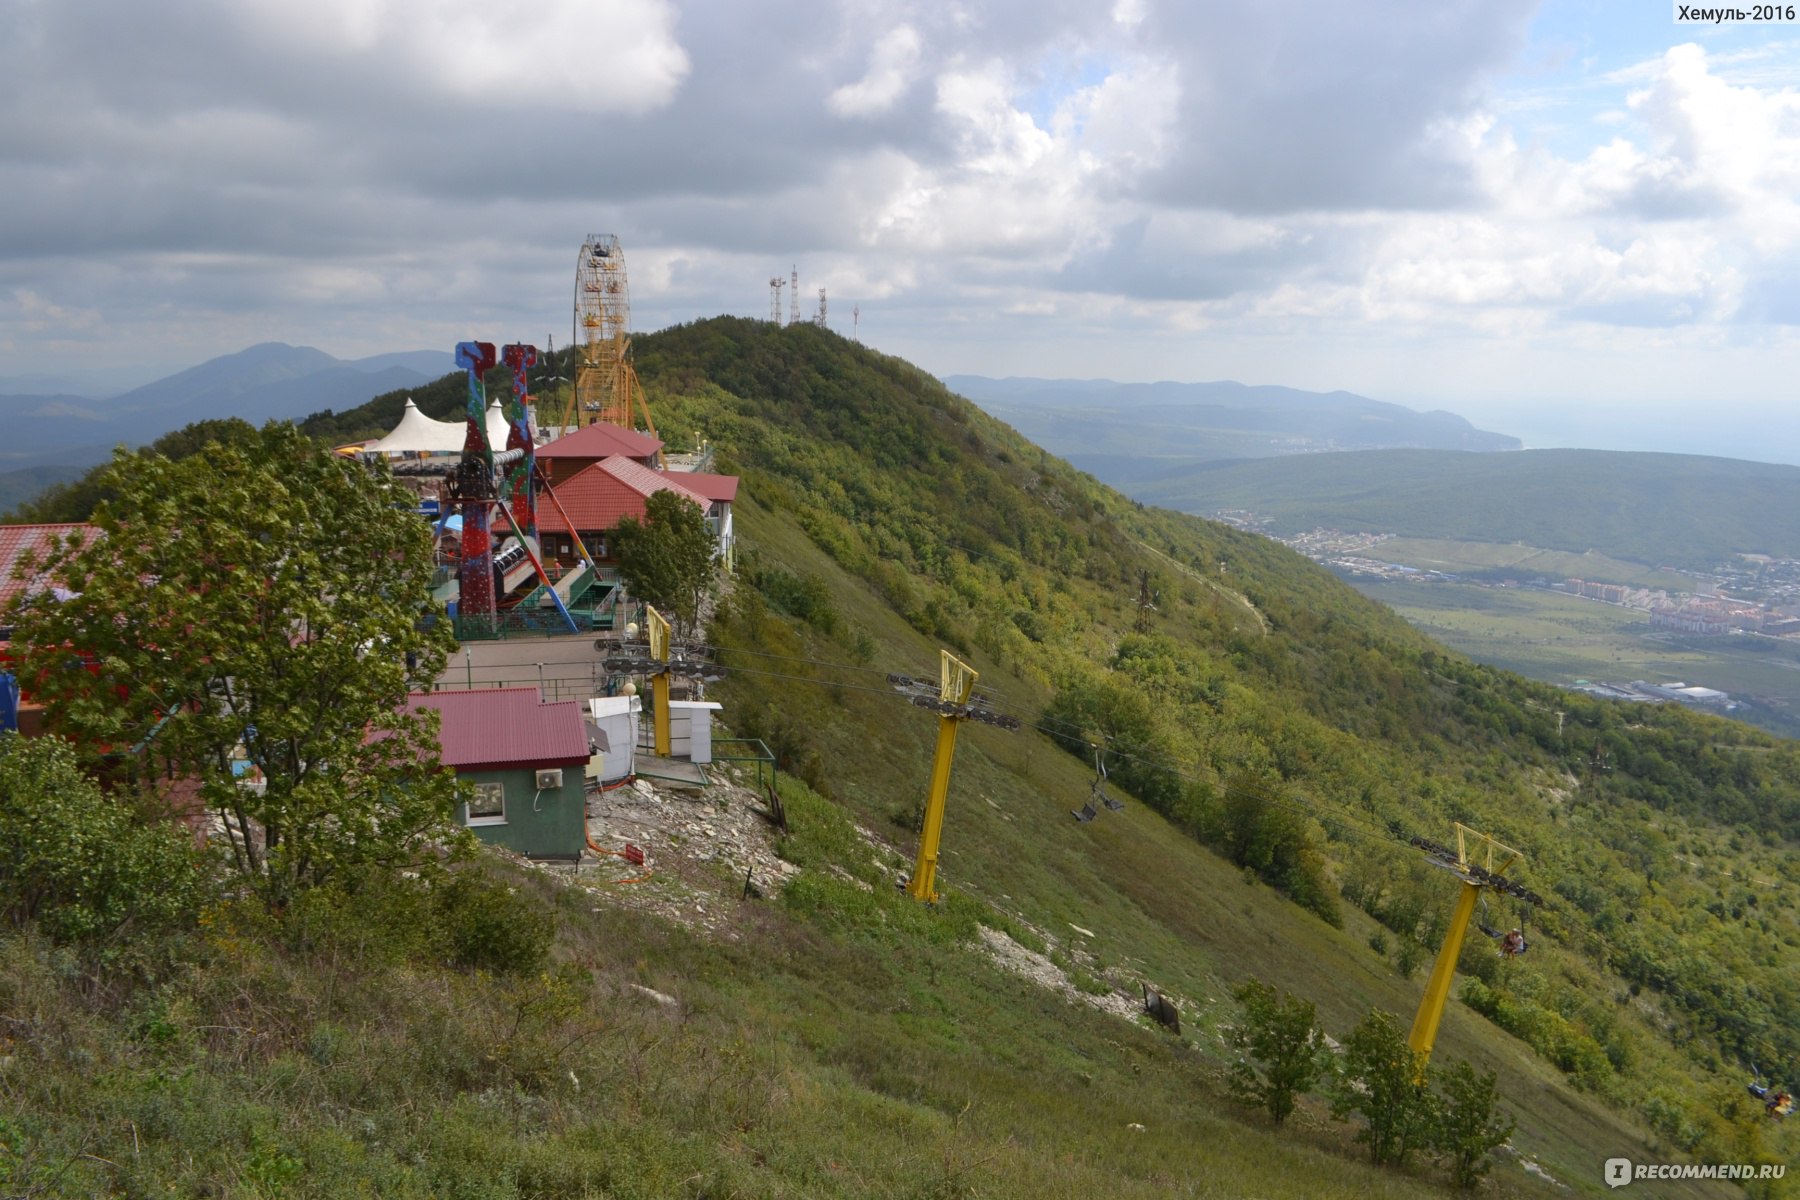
[
  {"x": 1512, "y": 942},
  {"x": 1776, "y": 1103}
]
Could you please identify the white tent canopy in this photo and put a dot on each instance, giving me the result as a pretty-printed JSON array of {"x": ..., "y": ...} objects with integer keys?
[
  {"x": 497, "y": 428},
  {"x": 419, "y": 434}
]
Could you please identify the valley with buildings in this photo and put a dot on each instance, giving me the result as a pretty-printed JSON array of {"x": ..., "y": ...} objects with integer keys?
[{"x": 1726, "y": 640}]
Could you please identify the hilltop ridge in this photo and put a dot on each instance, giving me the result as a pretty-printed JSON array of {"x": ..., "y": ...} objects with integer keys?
[{"x": 1276, "y": 739}]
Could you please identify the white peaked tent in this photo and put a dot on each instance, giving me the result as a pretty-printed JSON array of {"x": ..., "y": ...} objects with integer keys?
[
  {"x": 496, "y": 428},
  {"x": 419, "y": 434}
]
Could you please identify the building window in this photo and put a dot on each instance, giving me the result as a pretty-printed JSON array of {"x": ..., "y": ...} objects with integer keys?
[{"x": 488, "y": 805}]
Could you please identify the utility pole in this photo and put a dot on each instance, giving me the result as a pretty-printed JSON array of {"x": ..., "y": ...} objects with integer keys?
[
  {"x": 657, "y": 627},
  {"x": 1146, "y": 603}
]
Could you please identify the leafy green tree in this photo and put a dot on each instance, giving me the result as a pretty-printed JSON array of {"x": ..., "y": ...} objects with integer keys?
[
  {"x": 264, "y": 601},
  {"x": 1467, "y": 1129},
  {"x": 667, "y": 558},
  {"x": 1383, "y": 1081},
  {"x": 1281, "y": 1034},
  {"x": 81, "y": 864}
]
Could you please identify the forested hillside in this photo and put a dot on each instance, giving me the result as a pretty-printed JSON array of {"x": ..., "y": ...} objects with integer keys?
[
  {"x": 1683, "y": 510},
  {"x": 1278, "y": 741},
  {"x": 1273, "y": 713}
]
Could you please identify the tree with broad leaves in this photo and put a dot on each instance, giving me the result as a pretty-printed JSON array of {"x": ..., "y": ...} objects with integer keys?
[
  {"x": 263, "y": 603},
  {"x": 667, "y": 558},
  {"x": 1385, "y": 1080},
  {"x": 1282, "y": 1049},
  {"x": 1468, "y": 1129}
]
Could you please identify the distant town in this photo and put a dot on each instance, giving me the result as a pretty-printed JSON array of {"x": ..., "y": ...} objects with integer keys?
[{"x": 1753, "y": 595}]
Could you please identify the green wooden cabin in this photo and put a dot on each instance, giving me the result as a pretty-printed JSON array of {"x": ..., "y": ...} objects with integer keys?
[{"x": 527, "y": 761}]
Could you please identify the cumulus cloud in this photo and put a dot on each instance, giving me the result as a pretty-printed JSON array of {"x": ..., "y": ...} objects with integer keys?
[
  {"x": 893, "y": 66},
  {"x": 367, "y": 174}
]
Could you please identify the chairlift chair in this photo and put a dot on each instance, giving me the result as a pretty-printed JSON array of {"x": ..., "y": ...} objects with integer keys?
[{"x": 1100, "y": 793}]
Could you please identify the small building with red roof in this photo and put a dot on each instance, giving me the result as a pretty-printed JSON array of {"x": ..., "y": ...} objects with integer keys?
[
  {"x": 575, "y": 452},
  {"x": 20, "y": 544},
  {"x": 18, "y": 541},
  {"x": 596, "y": 498},
  {"x": 527, "y": 762}
]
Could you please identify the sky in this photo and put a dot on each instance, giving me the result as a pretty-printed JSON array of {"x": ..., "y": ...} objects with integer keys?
[{"x": 1575, "y": 221}]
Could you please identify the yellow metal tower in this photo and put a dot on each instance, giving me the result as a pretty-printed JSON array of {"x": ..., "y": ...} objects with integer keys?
[
  {"x": 606, "y": 384},
  {"x": 657, "y": 626},
  {"x": 951, "y": 698},
  {"x": 1480, "y": 862}
]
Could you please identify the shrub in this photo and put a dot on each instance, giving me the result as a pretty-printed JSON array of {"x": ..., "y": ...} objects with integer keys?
[
  {"x": 488, "y": 926},
  {"x": 1467, "y": 1130},
  {"x": 1281, "y": 1033},
  {"x": 1386, "y": 1083},
  {"x": 81, "y": 864}
]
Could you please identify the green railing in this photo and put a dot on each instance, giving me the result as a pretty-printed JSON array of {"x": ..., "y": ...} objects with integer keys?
[{"x": 766, "y": 773}]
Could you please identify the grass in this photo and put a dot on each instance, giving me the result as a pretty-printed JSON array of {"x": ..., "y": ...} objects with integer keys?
[{"x": 1162, "y": 909}]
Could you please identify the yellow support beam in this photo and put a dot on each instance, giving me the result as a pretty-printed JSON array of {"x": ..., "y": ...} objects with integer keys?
[
  {"x": 956, "y": 681},
  {"x": 658, "y": 628},
  {"x": 1473, "y": 849},
  {"x": 1437, "y": 989}
]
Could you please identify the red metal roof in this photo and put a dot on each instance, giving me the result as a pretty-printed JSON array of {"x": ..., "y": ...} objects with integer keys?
[
  {"x": 713, "y": 487},
  {"x": 600, "y": 495},
  {"x": 15, "y": 540},
  {"x": 601, "y": 440},
  {"x": 501, "y": 728}
]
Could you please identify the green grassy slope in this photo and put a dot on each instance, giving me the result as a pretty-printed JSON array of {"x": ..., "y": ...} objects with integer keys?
[
  {"x": 841, "y": 1040},
  {"x": 1684, "y": 510},
  {"x": 1258, "y": 667}
]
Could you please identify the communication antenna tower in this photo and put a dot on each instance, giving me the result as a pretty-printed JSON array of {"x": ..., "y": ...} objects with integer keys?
[
  {"x": 794, "y": 297},
  {"x": 855, "y": 322},
  {"x": 606, "y": 384},
  {"x": 820, "y": 319},
  {"x": 776, "y": 283}
]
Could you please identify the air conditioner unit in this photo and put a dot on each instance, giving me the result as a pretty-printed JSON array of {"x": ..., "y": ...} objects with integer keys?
[{"x": 548, "y": 779}]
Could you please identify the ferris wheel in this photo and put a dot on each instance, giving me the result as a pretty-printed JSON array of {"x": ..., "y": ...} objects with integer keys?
[{"x": 606, "y": 386}]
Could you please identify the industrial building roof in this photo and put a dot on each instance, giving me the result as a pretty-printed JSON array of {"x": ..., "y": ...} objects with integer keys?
[
  {"x": 600, "y": 495},
  {"x": 16, "y": 540},
  {"x": 502, "y": 728},
  {"x": 601, "y": 440}
]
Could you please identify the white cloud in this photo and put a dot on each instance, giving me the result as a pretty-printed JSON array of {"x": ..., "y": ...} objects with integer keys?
[
  {"x": 1345, "y": 188},
  {"x": 893, "y": 68},
  {"x": 620, "y": 56}
]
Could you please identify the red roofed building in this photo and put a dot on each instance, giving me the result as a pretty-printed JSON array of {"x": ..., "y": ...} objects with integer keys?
[
  {"x": 16, "y": 543},
  {"x": 575, "y": 452},
  {"x": 527, "y": 761},
  {"x": 18, "y": 540},
  {"x": 719, "y": 491},
  {"x": 596, "y": 498}
]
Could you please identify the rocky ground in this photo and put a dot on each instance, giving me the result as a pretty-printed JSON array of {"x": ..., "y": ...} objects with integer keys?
[{"x": 704, "y": 848}]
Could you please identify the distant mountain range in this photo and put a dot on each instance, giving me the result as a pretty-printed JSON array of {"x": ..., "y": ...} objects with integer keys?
[
  {"x": 1126, "y": 433},
  {"x": 52, "y": 438}
]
